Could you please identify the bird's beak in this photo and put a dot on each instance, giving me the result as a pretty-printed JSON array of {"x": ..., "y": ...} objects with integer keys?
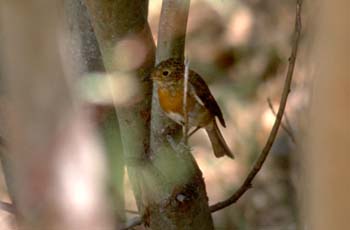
[{"x": 154, "y": 76}]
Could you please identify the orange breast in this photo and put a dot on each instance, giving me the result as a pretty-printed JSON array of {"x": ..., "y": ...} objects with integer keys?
[{"x": 171, "y": 100}]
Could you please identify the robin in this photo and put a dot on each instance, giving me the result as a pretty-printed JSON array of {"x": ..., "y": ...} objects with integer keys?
[{"x": 201, "y": 106}]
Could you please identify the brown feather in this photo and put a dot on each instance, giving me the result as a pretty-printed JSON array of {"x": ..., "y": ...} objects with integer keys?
[
  {"x": 217, "y": 141},
  {"x": 203, "y": 92}
]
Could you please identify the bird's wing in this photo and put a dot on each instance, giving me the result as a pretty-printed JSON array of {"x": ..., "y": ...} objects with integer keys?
[{"x": 204, "y": 94}]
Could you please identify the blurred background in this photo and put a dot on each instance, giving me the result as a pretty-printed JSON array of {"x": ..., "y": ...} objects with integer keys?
[{"x": 241, "y": 48}]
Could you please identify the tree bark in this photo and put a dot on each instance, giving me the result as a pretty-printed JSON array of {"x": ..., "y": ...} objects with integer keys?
[
  {"x": 56, "y": 161},
  {"x": 125, "y": 22}
]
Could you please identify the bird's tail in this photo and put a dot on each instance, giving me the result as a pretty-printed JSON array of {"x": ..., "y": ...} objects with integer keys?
[{"x": 218, "y": 142}]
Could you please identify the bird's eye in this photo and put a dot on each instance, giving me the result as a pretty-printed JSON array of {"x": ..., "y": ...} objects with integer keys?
[{"x": 165, "y": 73}]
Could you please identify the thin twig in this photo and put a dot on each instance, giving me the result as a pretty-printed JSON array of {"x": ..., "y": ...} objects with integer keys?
[
  {"x": 288, "y": 124},
  {"x": 260, "y": 161},
  {"x": 184, "y": 108},
  {"x": 8, "y": 207},
  {"x": 286, "y": 127}
]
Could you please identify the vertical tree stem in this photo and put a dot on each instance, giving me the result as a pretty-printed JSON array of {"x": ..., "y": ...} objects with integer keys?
[{"x": 180, "y": 201}]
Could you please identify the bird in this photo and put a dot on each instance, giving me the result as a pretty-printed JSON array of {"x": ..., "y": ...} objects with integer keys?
[{"x": 201, "y": 107}]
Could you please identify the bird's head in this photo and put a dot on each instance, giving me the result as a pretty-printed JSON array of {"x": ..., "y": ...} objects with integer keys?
[{"x": 170, "y": 70}]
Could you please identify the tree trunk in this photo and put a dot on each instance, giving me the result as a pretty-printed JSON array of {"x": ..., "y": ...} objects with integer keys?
[
  {"x": 328, "y": 146},
  {"x": 56, "y": 162},
  {"x": 124, "y": 22},
  {"x": 82, "y": 45}
]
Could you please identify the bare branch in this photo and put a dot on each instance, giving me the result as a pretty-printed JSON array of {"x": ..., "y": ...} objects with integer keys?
[
  {"x": 286, "y": 127},
  {"x": 172, "y": 29},
  {"x": 184, "y": 109},
  {"x": 260, "y": 161}
]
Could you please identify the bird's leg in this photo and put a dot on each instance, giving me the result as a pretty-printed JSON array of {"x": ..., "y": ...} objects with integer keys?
[
  {"x": 169, "y": 130},
  {"x": 193, "y": 131},
  {"x": 189, "y": 134}
]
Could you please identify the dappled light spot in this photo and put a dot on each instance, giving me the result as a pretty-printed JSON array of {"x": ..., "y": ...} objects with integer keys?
[
  {"x": 240, "y": 27},
  {"x": 268, "y": 118},
  {"x": 118, "y": 88},
  {"x": 129, "y": 54}
]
